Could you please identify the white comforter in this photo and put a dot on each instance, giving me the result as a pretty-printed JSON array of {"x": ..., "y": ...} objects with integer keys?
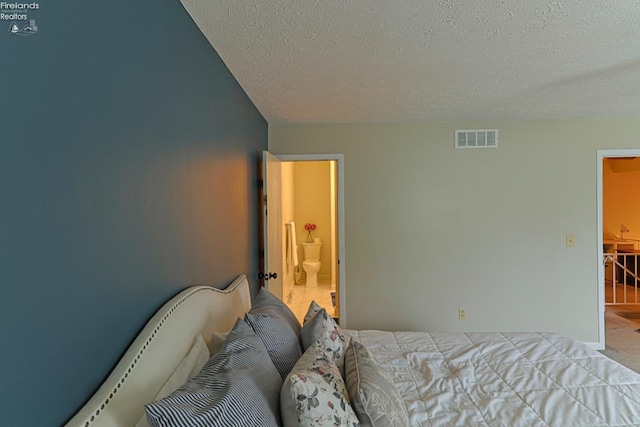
[{"x": 505, "y": 379}]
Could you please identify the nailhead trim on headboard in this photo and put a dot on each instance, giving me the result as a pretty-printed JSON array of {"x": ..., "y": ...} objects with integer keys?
[{"x": 141, "y": 352}]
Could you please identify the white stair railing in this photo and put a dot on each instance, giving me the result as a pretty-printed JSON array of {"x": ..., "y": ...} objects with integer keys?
[{"x": 621, "y": 278}]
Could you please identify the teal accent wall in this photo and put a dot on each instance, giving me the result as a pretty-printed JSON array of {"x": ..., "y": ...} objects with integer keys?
[{"x": 128, "y": 171}]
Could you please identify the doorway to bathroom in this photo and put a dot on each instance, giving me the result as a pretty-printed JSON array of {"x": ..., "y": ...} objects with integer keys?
[{"x": 312, "y": 229}]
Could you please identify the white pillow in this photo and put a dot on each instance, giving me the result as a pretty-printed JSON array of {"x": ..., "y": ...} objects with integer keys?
[
  {"x": 187, "y": 368},
  {"x": 374, "y": 398},
  {"x": 217, "y": 338}
]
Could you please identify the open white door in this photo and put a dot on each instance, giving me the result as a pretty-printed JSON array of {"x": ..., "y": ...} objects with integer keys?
[{"x": 272, "y": 221}]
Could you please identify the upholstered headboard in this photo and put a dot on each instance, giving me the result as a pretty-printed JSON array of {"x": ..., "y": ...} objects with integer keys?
[{"x": 159, "y": 348}]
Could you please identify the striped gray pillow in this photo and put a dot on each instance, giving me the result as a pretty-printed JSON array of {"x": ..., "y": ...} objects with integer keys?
[
  {"x": 281, "y": 342},
  {"x": 239, "y": 386},
  {"x": 268, "y": 303},
  {"x": 314, "y": 307}
]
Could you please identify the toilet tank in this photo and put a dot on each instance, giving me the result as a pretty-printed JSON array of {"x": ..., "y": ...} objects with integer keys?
[{"x": 312, "y": 251}]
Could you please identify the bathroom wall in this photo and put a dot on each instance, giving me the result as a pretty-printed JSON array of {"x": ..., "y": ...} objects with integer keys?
[
  {"x": 312, "y": 198},
  {"x": 621, "y": 199}
]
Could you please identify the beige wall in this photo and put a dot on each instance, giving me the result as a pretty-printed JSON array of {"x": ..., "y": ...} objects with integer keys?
[
  {"x": 621, "y": 200},
  {"x": 313, "y": 205},
  {"x": 430, "y": 229}
]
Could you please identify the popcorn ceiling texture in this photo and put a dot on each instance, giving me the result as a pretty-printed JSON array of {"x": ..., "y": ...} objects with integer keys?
[{"x": 415, "y": 60}]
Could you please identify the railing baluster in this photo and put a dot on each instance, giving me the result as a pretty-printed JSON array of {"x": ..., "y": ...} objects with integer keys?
[
  {"x": 635, "y": 281},
  {"x": 613, "y": 262},
  {"x": 624, "y": 279},
  {"x": 615, "y": 290}
]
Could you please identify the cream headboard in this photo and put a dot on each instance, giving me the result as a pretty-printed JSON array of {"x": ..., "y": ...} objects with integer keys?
[{"x": 157, "y": 350}]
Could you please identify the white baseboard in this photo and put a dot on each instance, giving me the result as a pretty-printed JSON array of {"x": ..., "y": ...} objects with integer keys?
[{"x": 594, "y": 345}]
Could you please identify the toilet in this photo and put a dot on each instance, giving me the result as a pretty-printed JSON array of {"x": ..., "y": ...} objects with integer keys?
[{"x": 311, "y": 263}]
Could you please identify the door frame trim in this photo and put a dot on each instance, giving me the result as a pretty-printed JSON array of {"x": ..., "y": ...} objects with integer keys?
[
  {"x": 601, "y": 155},
  {"x": 342, "y": 276}
]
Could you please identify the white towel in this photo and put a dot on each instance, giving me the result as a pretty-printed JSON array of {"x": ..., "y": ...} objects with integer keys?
[{"x": 292, "y": 247}]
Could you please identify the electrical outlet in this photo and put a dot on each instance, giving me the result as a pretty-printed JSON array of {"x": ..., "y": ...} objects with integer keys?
[
  {"x": 462, "y": 313},
  {"x": 571, "y": 240}
]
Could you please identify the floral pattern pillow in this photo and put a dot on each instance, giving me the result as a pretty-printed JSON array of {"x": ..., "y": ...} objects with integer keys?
[
  {"x": 314, "y": 393},
  {"x": 321, "y": 327},
  {"x": 318, "y": 404}
]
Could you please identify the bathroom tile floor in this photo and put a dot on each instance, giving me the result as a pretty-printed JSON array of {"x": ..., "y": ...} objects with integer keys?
[{"x": 300, "y": 297}]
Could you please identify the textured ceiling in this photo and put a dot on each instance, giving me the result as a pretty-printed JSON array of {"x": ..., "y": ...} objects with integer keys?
[{"x": 315, "y": 61}]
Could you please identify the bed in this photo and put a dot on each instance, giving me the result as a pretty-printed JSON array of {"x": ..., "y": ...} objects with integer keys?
[{"x": 257, "y": 366}]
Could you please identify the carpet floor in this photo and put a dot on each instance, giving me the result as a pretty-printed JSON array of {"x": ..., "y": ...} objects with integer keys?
[{"x": 622, "y": 340}]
